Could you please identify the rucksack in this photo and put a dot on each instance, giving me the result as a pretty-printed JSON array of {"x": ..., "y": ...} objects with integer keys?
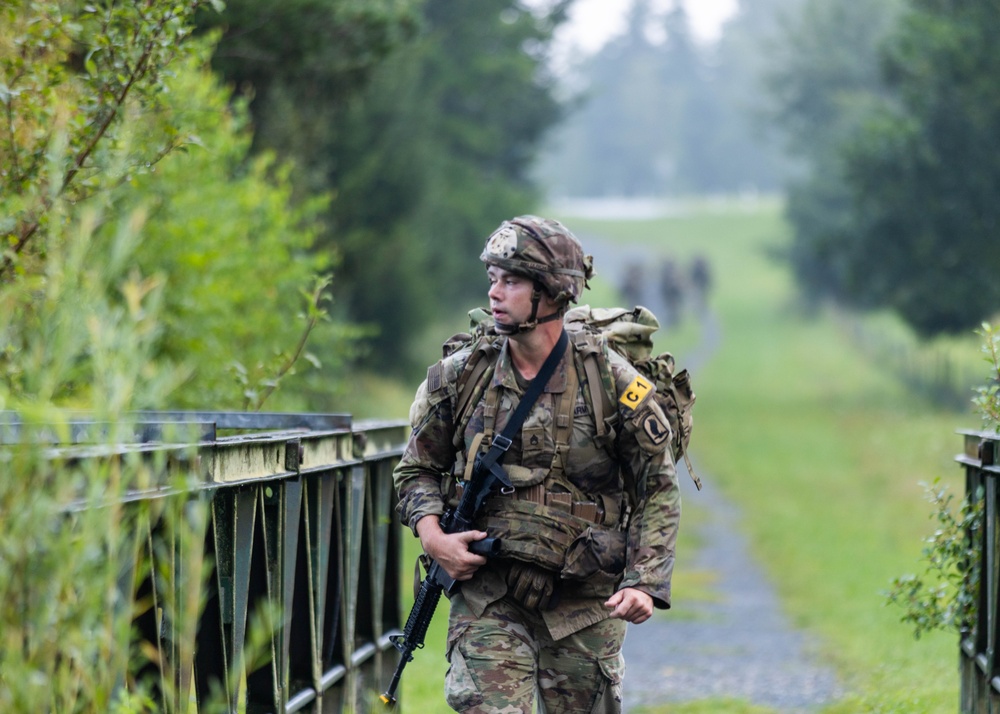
[{"x": 627, "y": 331}]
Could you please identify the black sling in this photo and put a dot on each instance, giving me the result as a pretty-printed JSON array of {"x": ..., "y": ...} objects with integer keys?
[{"x": 501, "y": 442}]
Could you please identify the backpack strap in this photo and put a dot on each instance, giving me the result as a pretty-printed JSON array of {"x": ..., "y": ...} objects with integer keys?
[
  {"x": 564, "y": 423},
  {"x": 473, "y": 380},
  {"x": 600, "y": 386},
  {"x": 482, "y": 359}
]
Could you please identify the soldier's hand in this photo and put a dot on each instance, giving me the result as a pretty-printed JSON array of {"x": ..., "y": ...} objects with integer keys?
[
  {"x": 631, "y": 605},
  {"x": 450, "y": 550}
]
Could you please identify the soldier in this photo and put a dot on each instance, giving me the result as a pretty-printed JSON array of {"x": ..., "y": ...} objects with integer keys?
[
  {"x": 631, "y": 285},
  {"x": 672, "y": 291},
  {"x": 701, "y": 278},
  {"x": 590, "y": 527}
]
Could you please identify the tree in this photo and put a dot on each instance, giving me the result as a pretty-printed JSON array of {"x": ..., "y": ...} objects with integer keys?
[
  {"x": 301, "y": 63},
  {"x": 424, "y": 154},
  {"x": 103, "y": 123},
  {"x": 79, "y": 329},
  {"x": 624, "y": 137},
  {"x": 748, "y": 145},
  {"x": 822, "y": 83},
  {"x": 457, "y": 118},
  {"x": 924, "y": 173}
]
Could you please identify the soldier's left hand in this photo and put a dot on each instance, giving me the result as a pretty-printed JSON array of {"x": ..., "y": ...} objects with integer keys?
[{"x": 631, "y": 605}]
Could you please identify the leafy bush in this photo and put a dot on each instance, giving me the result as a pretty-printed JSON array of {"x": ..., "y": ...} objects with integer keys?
[
  {"x": 945, "y": 596},
  {"x": 142, "y": 254},
  {"x": 70, "y": 539}
]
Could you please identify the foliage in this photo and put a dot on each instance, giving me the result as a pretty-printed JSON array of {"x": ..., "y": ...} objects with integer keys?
[
  {"x": 987, "y": 399},
  {"x": 88, "y": 319},
  {"x": 69, "y": 74},
  {"x": 924, "y": 168},
  {"x": 822, "y": 82},
  {"x": 907, "y": 221},
  {"x": 944, "y": 597},
  {"x": 143, "y": 254},
  {"x": 300, "y": 63},
  {"x": 658, "y": 113},
  {"x": 163, "y": 145},
  {"x": 450, "y": 125},
  {"x": 234, "y": 251},
  {"x": 134, "y": 225}
]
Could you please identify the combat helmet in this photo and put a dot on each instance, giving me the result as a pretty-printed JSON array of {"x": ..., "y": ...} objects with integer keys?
[{"x": 545, "y": 251}]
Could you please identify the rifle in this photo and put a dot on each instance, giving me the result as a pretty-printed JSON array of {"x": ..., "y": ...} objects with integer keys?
[{"x": 487, "y": 477}]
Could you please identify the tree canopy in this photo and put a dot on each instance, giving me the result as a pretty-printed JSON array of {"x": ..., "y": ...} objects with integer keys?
[
  {"x": 924, "y": 173},
  {"x": 823, "y": 81},
  {"x": 895, "y": 112},
  {"x": 422, "y": 162}
]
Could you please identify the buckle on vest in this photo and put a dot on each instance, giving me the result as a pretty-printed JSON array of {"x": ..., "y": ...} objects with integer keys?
[{"x": 501, "y": 442}]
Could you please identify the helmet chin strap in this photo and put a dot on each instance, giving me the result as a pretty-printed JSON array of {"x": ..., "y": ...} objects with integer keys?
[{"x": 533, "y": 321}]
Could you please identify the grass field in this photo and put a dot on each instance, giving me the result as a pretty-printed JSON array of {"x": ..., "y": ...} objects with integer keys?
[{"x": 823, "y": 448}]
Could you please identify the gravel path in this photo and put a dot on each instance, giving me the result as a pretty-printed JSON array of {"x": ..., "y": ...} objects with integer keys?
[{"x": 737, "y": 643}]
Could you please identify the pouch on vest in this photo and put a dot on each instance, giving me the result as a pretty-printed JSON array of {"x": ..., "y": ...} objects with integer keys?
[
  {"x": 532, "y": 532},
  {"x": 597, "y": 558}
]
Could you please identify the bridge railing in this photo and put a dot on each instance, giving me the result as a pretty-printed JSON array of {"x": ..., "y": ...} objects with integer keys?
[
  {"x": 301, "y": 526},
  {"x": 978, "y": 665}
]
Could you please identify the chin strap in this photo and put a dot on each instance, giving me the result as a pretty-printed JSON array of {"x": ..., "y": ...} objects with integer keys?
[{"x": 532, "y": 322}]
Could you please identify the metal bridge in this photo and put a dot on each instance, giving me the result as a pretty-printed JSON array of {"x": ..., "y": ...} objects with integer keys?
[
  {"x": 301, "y": 526},
  {"x": 978, "y": 662}
]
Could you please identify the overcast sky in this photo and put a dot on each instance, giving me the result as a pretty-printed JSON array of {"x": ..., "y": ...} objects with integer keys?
[{"x": 594, "y": 21}]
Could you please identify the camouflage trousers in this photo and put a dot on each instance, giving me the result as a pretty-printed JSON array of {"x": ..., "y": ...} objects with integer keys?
[{"x": 502, "y": 661}]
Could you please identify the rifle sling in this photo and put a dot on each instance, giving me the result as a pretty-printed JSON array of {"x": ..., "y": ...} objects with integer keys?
[{"x": 502, "y": 442}]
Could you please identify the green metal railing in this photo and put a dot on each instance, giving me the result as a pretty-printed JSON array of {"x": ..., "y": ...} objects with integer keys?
[
  {"x": 979, "y": 668},
  {"x": 302, "y": 525}
]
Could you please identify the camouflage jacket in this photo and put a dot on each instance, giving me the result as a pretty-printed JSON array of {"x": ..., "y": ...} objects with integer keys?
[{"x": 637, "y": 471}]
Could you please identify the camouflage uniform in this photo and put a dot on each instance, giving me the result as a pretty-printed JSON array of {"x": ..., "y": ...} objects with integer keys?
[{"x": 623, "y": 537}]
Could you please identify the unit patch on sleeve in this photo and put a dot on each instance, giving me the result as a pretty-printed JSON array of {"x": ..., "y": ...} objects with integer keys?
[
  {"x": 635, "y": 392},
  {"x": 656, "y": 430}
]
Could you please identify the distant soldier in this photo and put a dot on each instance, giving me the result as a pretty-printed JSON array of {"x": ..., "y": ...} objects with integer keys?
[
  {"x": 701, "y": 280},
  {"x": 631, "y": 285},
  {"x": 671, "y": 291},
  {"x": 590, "y": 521}
]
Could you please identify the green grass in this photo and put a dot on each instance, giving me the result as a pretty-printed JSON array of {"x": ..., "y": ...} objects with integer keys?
[{"x": 820, "y": 445}]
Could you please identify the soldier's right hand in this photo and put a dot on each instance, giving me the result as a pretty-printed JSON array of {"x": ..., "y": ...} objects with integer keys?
[{"x": 450, "y": 550}]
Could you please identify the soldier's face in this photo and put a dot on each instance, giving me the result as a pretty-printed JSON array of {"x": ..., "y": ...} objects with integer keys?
[{"x": 510, "y": 296}]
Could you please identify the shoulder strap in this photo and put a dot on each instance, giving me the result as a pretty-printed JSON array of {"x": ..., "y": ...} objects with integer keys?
[
  {"x": 479, "y": 362},
  {"x": 599, "y": 380},
  {"x": 563, "y": 412}
]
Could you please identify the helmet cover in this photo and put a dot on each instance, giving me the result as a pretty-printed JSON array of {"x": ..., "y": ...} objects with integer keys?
[{"x": 543, "y": 250}]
